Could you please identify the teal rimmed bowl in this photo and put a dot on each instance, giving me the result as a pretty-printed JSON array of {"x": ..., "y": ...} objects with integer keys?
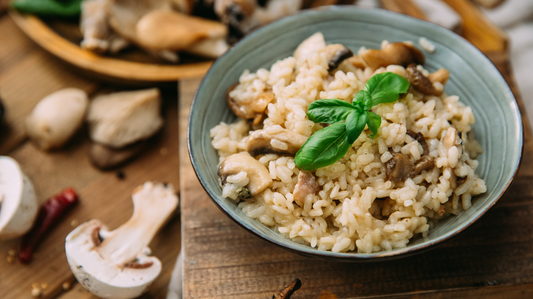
[{"x": 473, "y": 78}]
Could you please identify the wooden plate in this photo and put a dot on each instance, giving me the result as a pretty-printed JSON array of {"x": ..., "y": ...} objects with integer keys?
[{"x": 54, "y": 37}]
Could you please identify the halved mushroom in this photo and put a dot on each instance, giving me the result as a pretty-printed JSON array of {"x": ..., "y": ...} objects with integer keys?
[
  {"x": 307, "y": 185},
  {"x": 423, "y": 83},
  {"x": 253, "y": 109},
  {"x": 392, "y": 54},
  {"x": 400, "y": 167},
  {"x": 122, "y": 118},
  {"x": 18, "y": 203},
  {"x": 283, "y": 142},
  {"x": 336, "y": 54},
  {"x": 258, "y": 174},
  {"x": 116, "y": 264},
  {"x": 163, "y": 29}
]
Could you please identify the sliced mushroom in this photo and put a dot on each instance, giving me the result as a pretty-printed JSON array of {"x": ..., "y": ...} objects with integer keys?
[
  {"x": 289, "y": 290},
  {"x": 441, "y": 76},
  {"x": 420, "y": 139},
  {"x": 426, "y": 162},
  {"x": 18, "y": 203},
  {"x": 163, "y": 29},
  {"x": 105, "y": 157},
  {"x": 283, "y": 142},
  {"x": 257, "y": 173},
  {"x": 392, "y": 54},
  {"x": 336, "y": 54},
  {"x": 421, "y": 82},
  {"x": 399, "y": 168},
  {"x": 311, "y": 45},
  {"x": 356, "y": 61},
  {"x": 307, "y": 185},
  {"x": 122, "y": 118},
  {"x": 116, "y": 264},
  {"x": 254, "y": 109}
]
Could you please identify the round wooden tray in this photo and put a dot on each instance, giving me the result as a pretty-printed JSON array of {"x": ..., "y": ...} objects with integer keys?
[{"x": 135, "y": 68}]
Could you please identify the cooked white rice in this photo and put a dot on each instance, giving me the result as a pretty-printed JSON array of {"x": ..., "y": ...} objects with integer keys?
[{"x": 356, "y": 208}]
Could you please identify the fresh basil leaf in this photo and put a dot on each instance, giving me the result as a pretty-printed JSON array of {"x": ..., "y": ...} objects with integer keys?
[
  {"x": 364, "y": 99},
  {"x": 386, "y": 87},
  {"x": 323, "y": 148},
  {"x": 50, "y": 8},
  {"x": 329, "y": 111},
  {"x": 355, "y": 124},
  {"x": 373, "y": 122}
]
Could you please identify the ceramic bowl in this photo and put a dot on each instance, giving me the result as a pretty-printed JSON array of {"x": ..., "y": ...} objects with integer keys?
[{"x": 473, "y": 78}]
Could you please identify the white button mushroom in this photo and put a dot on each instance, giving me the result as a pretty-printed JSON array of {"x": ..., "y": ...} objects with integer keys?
[
  {"x": 257, "y": 173},
  {"x": 122, "y": 118},
  {"x": 18, "y": 203},
  {"x": 116, "y": 264},
  {"x": 56, "y": 118}
]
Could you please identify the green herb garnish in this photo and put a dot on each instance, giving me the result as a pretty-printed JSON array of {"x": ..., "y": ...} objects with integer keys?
[
  {"x": 49, "y": 8},
  {"x": 347, "y": 120}
]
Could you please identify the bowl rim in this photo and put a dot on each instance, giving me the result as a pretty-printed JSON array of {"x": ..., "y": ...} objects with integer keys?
[{"x": 351, "y": 256}]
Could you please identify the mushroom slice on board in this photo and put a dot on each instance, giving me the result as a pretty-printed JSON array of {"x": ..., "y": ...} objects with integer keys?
[
  {"x": 257, "y": 173},
  {"x": 116, "y": 264},
  {"x": 399, "y": 53},
  {"x": 282, "y": 142},
  {"x": 18, "y": 203},
  {"x": 163, "y": 29},
  {"x": 122, "y": 118}
]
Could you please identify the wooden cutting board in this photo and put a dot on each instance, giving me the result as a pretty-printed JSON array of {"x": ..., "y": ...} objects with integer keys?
[{"x": 492, "y": 259}]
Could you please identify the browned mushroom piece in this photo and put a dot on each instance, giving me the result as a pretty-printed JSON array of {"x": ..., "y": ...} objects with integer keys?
[
  {"x": 356, "y": 61},
  {"x": 399, "y": 168},
  {"x": 441, "y": 76},
  {"x": 284, "y": 142},
  {"x": 426, "y": 162},
  {"x": 257, "y": 173},
  {"x": 235, "y": 13},
  {"x": 393, "y": 53},
  {"x": 421, "y": 82},
  {"x": 252, "y": 110},
  {"x": 420, "y": 138},
  {"x": 336, "y": 54},
  {"x": 306, "y": 185},
  {"x": 287, "y": 292}
]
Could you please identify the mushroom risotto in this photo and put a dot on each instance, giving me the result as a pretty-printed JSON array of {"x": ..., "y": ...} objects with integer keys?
[{"x": 412, "y": 162}]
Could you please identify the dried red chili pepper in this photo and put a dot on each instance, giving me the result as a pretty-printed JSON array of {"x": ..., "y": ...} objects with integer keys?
[{"x": 49, "y": 213}]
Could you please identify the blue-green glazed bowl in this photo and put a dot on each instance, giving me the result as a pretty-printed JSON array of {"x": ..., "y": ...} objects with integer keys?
[{"x": 473, "y": 78}]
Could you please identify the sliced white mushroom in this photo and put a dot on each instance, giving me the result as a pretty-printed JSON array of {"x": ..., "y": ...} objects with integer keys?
[
  {"x": 257, "y": 173},
  {"x": 116, "y": 264},
  {"x": 400, "y": 53},
  {"x": 336, "y": 54},
  {"x": 309, "y": 46},
  {"x": 56, "y": 118},
  {"x": 18, "y": 203},
  {"x": 281, "y": 142},
  {"x": 252, "y": 109},
  {"x": 307, "y": 185},
  {"x": 163, "y": 29},
  {"x": 122, "y": 118}
]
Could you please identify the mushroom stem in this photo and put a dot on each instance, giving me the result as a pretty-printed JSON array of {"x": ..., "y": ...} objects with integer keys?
[{"x": 124, "y": 244}]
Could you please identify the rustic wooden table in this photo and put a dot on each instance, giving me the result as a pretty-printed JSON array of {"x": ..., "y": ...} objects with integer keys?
[{"x": 493, "y": 259}]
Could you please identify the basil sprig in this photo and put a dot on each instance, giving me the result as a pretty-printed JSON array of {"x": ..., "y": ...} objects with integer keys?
[{"x": 347, "y": 120}]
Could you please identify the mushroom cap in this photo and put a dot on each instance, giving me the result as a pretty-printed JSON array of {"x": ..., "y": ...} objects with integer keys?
[
  {"x": 257, "y": 172},
  {"x": 57, "y": 117},
  {"x": 165, "y": 29},
  {"x": 18, "y": 203},
  {"x": 100, "y": 277},
  {"x": 261, "y": 142},
  {"x": 399, "y": 53},
  {"x": 122, "y": 118}
]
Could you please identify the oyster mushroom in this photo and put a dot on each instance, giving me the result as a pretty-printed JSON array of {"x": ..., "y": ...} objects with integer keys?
[
  {"x": 253, "y": 109},
  {"x": 307, "y": 185},
  {"x": 18, "y": 203},
  {"x": 116, "y": 264},
  {"x": 56, "y": 118},
  {"x": 163, "y": 29},
  {"x": 257, "y": 173},
  {"x": 122, "y": 118},
  {"x": 392, "y": 53},
  {"x": 282, "y": 142},
  {"x": 423, "y": 83},
  {"x": 336, "y": 54}
]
